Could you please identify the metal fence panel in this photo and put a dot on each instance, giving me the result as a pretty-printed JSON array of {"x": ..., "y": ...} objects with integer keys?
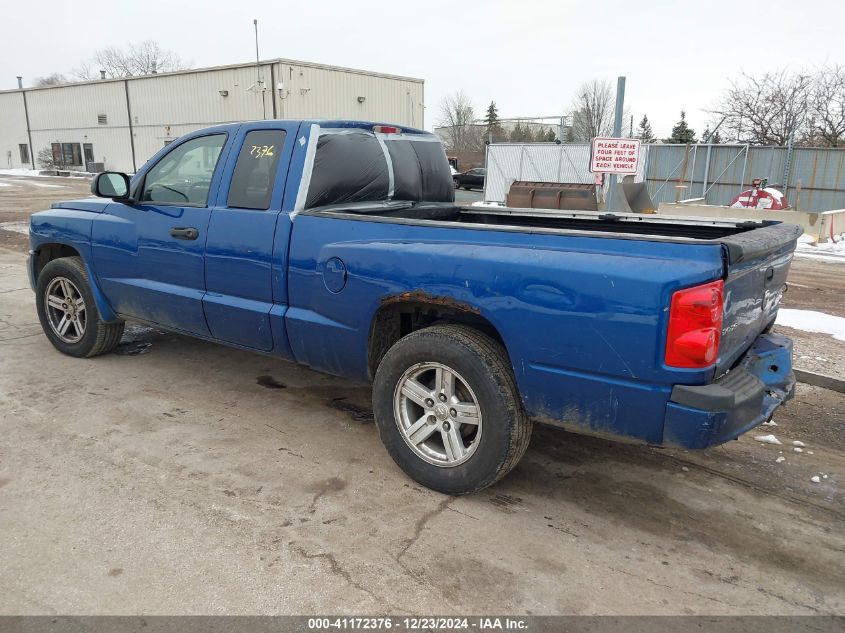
[
  {"x": 815, "y": 182},
  {"x": 542, "y": 162},
  {"x": 820, "y": 172}
]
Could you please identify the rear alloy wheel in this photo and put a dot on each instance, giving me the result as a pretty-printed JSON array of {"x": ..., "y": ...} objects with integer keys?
[
  {"x": 448, "y": 410},
  {"x": 68, "y": 313},
  {"x": 437, "y": 413}
]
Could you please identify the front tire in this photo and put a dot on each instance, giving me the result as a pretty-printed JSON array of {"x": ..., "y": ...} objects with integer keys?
[
  {"x": 448, "y": 411},
  {"x": 68, "y": 313}
]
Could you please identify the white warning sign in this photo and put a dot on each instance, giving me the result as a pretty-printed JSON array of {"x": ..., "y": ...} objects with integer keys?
[{"x": 615, "y": 155}]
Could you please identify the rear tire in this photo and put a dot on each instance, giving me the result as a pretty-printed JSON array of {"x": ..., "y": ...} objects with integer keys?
[
  {"x": 436, "y": 440},
  {"x": 68, "y": 312}
]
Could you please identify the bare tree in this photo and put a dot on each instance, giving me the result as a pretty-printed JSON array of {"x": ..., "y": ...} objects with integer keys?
[
  {"x": 56, "y": 79},
  {"x": 767, "y": 110},
  {"x": 827, "y": 108},
  {"x": 137, "y": 59},
  {"x": 592, "y": 111},
  {"x": 457, "y": 117}
]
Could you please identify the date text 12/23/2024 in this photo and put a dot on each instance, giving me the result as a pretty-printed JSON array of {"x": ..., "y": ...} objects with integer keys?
[{"x": 418, "y": 623}]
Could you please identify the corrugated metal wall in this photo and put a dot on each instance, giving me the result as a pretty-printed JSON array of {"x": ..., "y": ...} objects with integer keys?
[
  {"x": 168, "y": 106},
  {"x": 12, "y": 130},
  {"x": 70, "y": 115},
  {"x": 542, "y": 162},
  {"x": 820, "y": 172},
  {"x": 310, "y": 89},
  {"x": 164, "y": 107}
]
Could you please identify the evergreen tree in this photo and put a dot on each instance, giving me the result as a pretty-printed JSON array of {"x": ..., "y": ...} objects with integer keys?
[
  {"x": 491, "y": 119},
  {"x": 682, "y": 133},
  {"x": 551, "y": 137},
  {"x": 644, "y": 131}
]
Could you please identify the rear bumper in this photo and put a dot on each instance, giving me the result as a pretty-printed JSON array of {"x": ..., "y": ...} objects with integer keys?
[{"x": 702, "y": 416}]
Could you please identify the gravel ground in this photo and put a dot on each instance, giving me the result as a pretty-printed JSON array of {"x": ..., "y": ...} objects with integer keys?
[{"x": 181, "y": 477}]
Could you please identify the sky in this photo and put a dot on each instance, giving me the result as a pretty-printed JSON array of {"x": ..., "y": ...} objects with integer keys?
[{"x": 528, "y": 56}]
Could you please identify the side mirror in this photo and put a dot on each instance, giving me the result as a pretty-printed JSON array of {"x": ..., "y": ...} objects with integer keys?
[{"x": 111, "y": 184}]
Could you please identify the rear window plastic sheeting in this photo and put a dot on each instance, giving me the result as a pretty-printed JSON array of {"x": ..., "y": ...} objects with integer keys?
[
  {"x": 420, "y": 171},
  {"x": 348, "y": 167}
]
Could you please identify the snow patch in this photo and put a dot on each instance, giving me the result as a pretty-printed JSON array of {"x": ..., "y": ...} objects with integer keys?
[
  {"x": 798, "y": 449},
  {"x": 20, "y": 172},
  {"x": 812, "y": 321},
  {"x": 35, "y": 173},
  {"x": 15, "y": 227},
  {"x": 767, "y": 439},
  {"x": 815, "y": 479},
  {"x": 831, "y": 251},
  {"x": 798, "y": 443},
  {"x": 46, "y": 185},
  {"x": 780, "y": 459}
]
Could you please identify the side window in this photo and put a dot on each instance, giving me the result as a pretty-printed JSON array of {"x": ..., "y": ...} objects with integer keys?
[
  {"x": 184, "y": 175},
  {"x": 255, "y": 171}
]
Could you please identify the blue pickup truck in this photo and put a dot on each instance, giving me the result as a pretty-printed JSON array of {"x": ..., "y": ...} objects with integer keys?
[{"x": 338, "y": 245}]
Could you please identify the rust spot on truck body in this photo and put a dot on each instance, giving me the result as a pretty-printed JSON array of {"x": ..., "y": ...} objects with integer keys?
[{"x": 420, "y": 296}]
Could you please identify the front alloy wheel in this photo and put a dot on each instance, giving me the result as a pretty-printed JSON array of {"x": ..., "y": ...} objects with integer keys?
[
  {"x": 65, "y": 310},
  {"x": 68, "y": 312}
]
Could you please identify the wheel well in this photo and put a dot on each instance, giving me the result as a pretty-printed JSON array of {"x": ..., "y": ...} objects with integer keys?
[
  {"x": 399, "y": 316},
  {"x": 49, "y": 252}
]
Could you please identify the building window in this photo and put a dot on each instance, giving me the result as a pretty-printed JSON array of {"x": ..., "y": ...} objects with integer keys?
[
  {"x": 67, "y": 154},
  {"x": 88, "y": 150},
  {"x": 24, "y": 153},
  {"x": 102, "y": 119}
]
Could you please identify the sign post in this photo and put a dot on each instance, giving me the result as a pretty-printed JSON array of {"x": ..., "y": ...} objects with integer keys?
[{"x": 617, "y": 132}]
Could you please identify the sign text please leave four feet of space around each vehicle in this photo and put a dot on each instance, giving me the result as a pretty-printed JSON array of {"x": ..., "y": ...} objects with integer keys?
[{"x": 615, "y": 155}]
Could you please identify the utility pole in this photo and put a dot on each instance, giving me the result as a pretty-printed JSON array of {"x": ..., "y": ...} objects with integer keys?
[
  {"x": 617, "y": 132},
  {"x": 258, "y": 85}
]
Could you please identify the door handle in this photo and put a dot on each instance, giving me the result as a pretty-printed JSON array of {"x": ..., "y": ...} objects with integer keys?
[{"x": 187, "y": 233}]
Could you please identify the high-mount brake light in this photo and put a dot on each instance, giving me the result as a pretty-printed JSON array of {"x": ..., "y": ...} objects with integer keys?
[
  {"x": 695, "y": 326},
  {"x": 386, "y": 129}
]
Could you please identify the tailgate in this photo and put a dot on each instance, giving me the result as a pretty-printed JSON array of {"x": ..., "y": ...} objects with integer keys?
[{"x": 757, "y": 266}]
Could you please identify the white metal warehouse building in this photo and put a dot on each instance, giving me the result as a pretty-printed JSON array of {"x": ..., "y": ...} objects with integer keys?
[{"x": 123, "y": 122}]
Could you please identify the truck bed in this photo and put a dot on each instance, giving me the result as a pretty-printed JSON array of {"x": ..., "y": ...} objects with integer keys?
[{"x": 743, "y": 239}]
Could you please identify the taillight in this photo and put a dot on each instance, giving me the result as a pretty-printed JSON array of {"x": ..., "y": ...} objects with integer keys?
[
  {"x": 386, "y": 129},
  {"x": 695, "y": 326}
]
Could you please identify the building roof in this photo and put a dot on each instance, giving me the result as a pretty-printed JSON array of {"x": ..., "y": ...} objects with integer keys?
[{"x": 207, "y": 69}]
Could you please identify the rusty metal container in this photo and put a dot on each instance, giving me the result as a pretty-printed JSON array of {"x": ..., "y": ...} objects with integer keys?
[{"x": 552, "y": 195}]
